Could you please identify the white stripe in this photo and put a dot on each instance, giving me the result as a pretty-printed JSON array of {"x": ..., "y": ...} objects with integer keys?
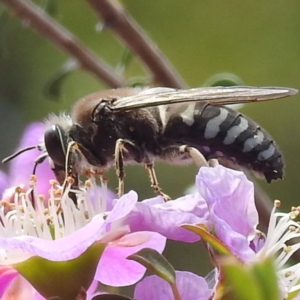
[
  {"x": 235, "y": 131},
  {"x": 162, "y": 113},
  {"x": 213, "y": 125},
  {"x": 188, "y": 115},
  {"x": 250, "y": 143},
  {"x": 266, "y": 154}
]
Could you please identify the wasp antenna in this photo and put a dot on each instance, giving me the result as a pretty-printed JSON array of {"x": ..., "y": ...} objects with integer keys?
[
  {"x": 5, "y": 160},
  {"x": 38, "y": 161}
]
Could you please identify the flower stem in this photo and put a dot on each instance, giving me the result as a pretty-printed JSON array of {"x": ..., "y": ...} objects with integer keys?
[{"x": 175, "y": 292}]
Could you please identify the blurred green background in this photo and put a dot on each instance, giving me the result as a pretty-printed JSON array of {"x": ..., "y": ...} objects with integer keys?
[{"x": 259, "y": 41}]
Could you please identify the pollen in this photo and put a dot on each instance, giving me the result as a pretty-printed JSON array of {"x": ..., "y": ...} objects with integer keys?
[
  {"x": 70, "y": 180},
  {"x": 5, "y": 204},
  {"x": 46, "y": 212},
  {"x": 53, "y": 182},
  {"x": 287, "y": 249},
  {"x": 33, "y": 178},
  {"x": 87, "y": 184},
  {"x": 104, "y": 180},
  {"x": 18, "y": 190},
  {"x": 294, "y": 214},
  {"x": 295, "y": 208},
  {"x": 277, "y": 203},
  {"x": 288, "y": 274},
  {"x": 58, "y": 193},
  {"x": 42, "y": 198}
]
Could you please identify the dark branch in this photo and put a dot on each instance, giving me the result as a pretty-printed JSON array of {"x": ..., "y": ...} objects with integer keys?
[
  {"x": 117, "y": 19},
  {"x": 62, "y": 38}
]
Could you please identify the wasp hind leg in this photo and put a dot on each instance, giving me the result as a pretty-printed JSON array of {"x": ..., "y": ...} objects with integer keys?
[
  {"x": 171, "y": 153},
  {"x": 197, "y": 157},
  {"x": 154, "y": 182},
  {"x": 192, "y": 152},
  {"x": 128, "y": 147}
]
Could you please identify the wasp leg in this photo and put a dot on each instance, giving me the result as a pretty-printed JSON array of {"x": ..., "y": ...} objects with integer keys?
[
  {"x": 129, "y": 149},
  {"x": 69, "y": 172},
  {"x": 198, "y": 157},
  {"x": 172, "y": 154},
  {"x": 154, "y": 182},
  {"x": 195, "y": 154},
  {"x": 213, "y": 162},
  {"x": 119, "y": 165},
  {"x": 41, "y": 158}
]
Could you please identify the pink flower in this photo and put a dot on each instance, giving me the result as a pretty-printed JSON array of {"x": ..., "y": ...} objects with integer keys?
[
  {"x": 167, "y": 217},
  {"x": 66, "y": 235},
  {"x": 230, "y": 198}
]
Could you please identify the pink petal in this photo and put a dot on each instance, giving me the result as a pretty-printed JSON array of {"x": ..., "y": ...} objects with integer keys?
[
  {"x": 189, "y": 285},
  {"x": 115, "y": 270},
  {"x": 230, "y": 196},
  {"x": 167, "y": 217},
  {"x": 7, "y": 274},
  {"x": 4, "y": 184},
  {"x": 21, "y": 167},
  {"x": 123, "y": 207},
  {"x": 20, "y": 289},
  {"x": 62, "y": 249}
]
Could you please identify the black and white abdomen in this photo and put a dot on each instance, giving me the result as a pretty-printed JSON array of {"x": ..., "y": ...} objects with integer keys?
[{"x": 219, "y": 131}]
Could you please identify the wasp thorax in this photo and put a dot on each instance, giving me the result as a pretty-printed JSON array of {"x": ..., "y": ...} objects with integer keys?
[{"x": 100, "y": 111}]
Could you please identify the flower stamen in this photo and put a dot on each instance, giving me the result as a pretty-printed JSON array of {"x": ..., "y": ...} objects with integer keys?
[
  {"x": 52, "y": 219},
  {"x": 282, "y": 230}
]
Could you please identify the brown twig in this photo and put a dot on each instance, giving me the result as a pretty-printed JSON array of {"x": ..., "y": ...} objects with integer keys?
[
  {"x": 62, "y": 38},
  {"x": 117, "y": 19}
]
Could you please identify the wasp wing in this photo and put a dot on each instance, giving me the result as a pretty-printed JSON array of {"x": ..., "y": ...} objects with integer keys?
[{"x": 213, "y": 95}]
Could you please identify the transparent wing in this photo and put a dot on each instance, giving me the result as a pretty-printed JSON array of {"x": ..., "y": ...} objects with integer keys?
[{"x": 213, "y": 95}]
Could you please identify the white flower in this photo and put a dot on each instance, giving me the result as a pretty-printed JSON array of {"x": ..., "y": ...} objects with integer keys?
[{"x": 282, "y": 243}]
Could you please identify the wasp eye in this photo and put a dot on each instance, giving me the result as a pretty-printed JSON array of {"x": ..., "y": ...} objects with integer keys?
[{"x": 56, "y": 144}]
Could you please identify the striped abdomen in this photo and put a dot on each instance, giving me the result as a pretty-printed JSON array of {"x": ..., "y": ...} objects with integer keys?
[{"x": 219, "y": 131}]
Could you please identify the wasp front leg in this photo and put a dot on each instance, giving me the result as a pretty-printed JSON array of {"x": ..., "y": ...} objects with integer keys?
[
  {"x": 119, "y": 164},
  {"x": 128, "y": 149},
  {"x": 69, "y": 170}
]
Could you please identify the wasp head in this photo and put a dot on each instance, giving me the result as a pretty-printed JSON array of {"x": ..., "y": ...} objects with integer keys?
[{"x": 56, "y": 144}]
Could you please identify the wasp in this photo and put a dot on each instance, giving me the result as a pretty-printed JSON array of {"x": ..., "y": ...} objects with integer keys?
[{"x": 144, "y": 125}]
